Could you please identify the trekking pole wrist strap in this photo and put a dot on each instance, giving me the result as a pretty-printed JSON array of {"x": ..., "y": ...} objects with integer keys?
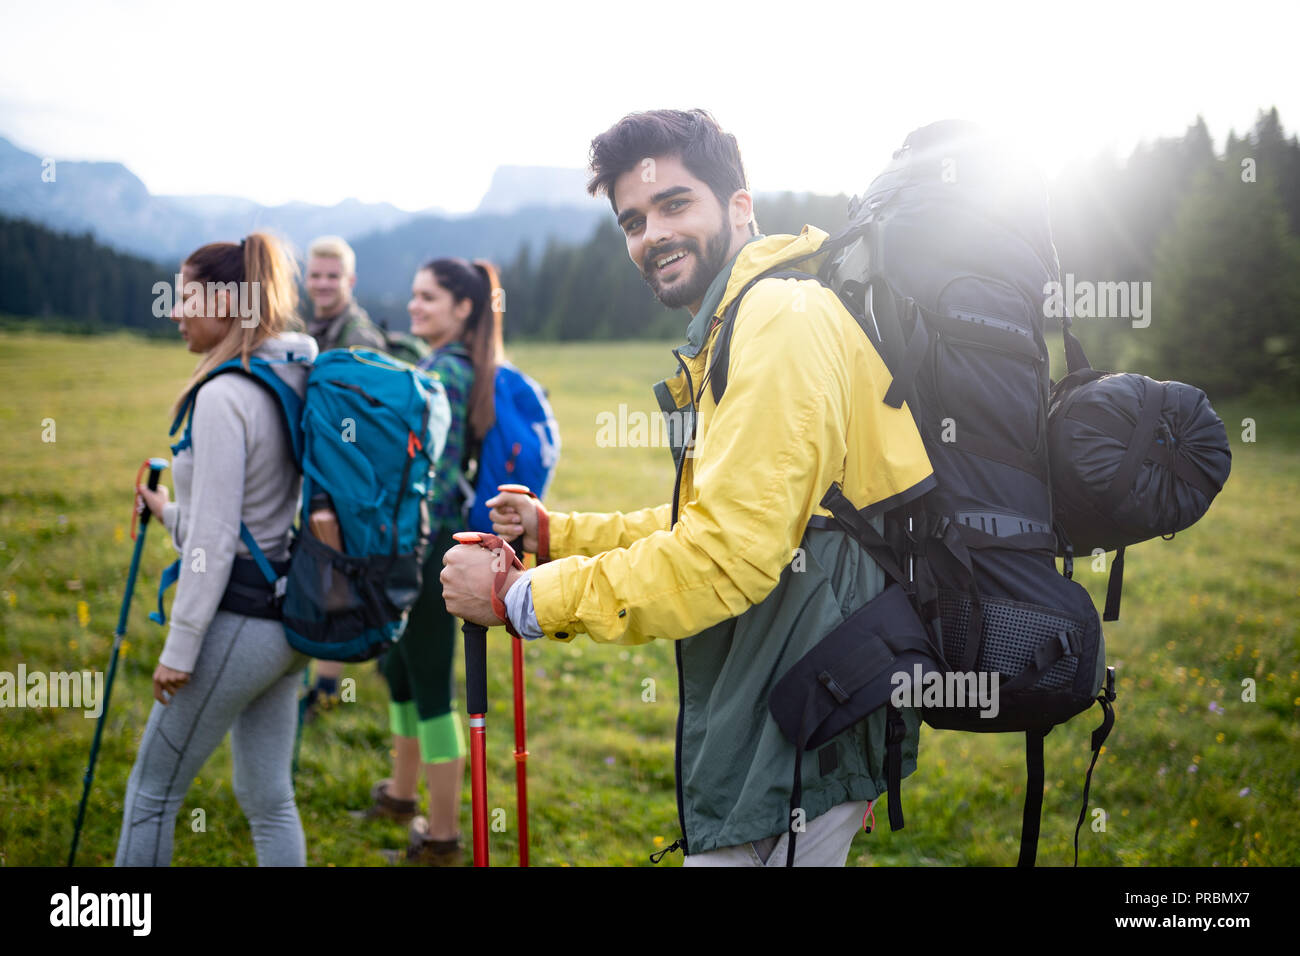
[
  {"x": 543, "y": 534},
  {"x": 508, "y": 560}
]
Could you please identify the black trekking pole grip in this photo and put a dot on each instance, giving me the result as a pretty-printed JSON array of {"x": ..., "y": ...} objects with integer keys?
[
  {"x": 475, "y": 667},
  {"x": 155, "y": 473},
  {"x": 155, "y": 468}
]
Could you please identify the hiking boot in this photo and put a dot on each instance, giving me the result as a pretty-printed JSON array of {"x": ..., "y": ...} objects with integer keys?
[
  {"x": 384, "y": 807},
  {"x": 426, "y": 852}
]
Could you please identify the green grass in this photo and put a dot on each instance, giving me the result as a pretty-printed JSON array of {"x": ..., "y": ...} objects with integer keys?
[{"x": 1201, "y": 613}]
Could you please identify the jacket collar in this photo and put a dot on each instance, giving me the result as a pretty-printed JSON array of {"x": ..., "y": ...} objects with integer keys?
[
  {"x": 755, "y": 257},
  {"x": 327, "y": 331},
  {"x": 698, "y": 331}
]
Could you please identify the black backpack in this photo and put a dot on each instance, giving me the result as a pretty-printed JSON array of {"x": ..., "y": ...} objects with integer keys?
[{"x": 945, "y": 264}]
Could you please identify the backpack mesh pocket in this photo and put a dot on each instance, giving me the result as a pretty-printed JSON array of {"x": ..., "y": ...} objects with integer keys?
[
  {"x": 338, "y": 607},
  {"x": 1012, "y": 633}
]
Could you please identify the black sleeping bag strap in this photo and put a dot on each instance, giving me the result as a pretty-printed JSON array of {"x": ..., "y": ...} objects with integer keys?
[{"x": 1114, "y": 586}]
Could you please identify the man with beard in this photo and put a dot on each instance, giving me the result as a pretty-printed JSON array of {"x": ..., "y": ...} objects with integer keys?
[{"x": 740, "y": 569}]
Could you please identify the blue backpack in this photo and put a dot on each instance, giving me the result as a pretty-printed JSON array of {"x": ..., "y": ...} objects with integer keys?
[
  {"x": 521, "y": 448},
  {"x": 367, "y": 434}
]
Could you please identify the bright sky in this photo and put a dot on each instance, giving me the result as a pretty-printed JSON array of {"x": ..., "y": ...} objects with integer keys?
[{"x": 417, "y": 103}]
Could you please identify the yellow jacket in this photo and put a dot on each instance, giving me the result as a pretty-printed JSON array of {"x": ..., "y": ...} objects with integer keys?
[{"x": 803, "y": 408}]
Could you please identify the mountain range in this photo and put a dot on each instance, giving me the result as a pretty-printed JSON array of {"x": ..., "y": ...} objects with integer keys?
[{"x": 110, "y": 202}]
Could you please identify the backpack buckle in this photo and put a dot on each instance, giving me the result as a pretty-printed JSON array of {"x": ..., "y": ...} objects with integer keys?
[
  {"x": 895, "y": 728},
  {"x": 831, "y": 684}
]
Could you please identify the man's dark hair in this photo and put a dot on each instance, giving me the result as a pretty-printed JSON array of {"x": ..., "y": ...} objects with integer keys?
[{"x": 693, "y": 135}]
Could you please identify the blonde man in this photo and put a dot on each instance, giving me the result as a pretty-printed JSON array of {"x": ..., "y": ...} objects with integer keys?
[{"x": 337, "y": 321}]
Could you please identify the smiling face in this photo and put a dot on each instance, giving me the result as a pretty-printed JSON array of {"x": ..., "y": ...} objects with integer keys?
[
  {"x": 328, "y": 285},
  {"x": 436, "y": 316},
  {"x": 678, "y": 234},
  {"x": 203, "y": 322}
]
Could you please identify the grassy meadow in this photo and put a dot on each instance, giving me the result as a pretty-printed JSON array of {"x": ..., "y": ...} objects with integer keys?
[{"x": 1192, "y": 775}]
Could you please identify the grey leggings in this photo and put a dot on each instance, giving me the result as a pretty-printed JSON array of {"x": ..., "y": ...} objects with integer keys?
[{"x": 245, "y": 681}]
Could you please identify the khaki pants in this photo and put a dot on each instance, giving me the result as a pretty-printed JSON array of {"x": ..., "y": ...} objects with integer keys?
[{"x": 825, "y": 842}]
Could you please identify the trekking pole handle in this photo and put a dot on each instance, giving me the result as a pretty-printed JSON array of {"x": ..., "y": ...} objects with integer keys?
[
  {"x": 516, "y": 490},
  {"x": 155, "y": 467},
  {"x": 505, "y": 561},
  {"x": 518, "y": 543},
  {"x": 543, "y": 524},
  {"x": 475, "y": 667}
]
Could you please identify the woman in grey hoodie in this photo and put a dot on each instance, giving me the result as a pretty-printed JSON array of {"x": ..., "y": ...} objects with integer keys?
[{"x": 223, "y": 669}]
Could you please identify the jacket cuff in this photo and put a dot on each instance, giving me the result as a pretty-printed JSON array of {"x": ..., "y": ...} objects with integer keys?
[
  {"x": 181, "y": 650},
  {"x": 556, "y": 542},
  {"x": 549, "y": 605}
]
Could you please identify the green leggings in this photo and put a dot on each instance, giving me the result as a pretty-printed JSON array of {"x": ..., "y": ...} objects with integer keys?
[{"x": 420, "y": 669}]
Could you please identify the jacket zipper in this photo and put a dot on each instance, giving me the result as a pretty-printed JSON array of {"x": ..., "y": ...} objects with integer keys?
[{"x": 677, "y": 645}]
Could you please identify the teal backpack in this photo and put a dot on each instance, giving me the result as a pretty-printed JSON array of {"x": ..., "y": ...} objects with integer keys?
[{"x": 366, "y": 435}]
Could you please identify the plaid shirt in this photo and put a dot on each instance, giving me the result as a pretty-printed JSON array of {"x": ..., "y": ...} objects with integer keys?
[{"x": 452, "y": 365}]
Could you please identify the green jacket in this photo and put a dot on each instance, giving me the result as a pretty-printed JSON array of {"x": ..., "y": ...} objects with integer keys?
[{"x": 350, "y": 327}]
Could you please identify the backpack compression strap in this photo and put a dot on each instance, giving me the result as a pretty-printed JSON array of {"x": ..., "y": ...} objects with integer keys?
[
  {"x": 1098, "y": 738},
  {"x": 172, "y": 573},
  {"x": 1033, "y": 812}
]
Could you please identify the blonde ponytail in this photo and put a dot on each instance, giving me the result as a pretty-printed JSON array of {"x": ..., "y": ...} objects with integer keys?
[{"x": 266, "y": 279}]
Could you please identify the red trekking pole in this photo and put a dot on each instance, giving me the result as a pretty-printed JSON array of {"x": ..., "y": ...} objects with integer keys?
[
  {"x": 476, "y": 704},
  {"x": 521, "y": 747},
  {"x": 476, "y": 701}
]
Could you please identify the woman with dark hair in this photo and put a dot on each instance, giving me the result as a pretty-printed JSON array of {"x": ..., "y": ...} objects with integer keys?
[
  {"x": 457, "y": 308},
  {"x": 224, "y": 669}
]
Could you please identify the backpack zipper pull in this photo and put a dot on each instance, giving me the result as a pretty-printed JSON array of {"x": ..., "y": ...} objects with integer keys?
[{"x": 678, "y": 844}]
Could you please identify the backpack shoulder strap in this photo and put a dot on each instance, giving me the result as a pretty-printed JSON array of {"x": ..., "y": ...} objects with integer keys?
[
  {"x": 290, "y": 404},
  {"x": 260, "y": 370},
  {"x": 717, "y": 371}
]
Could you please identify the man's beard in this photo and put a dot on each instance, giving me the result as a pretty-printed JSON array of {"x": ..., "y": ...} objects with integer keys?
[{"x": 706, "y": 266}]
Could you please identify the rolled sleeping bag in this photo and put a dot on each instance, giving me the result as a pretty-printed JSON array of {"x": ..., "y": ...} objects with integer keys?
[{"x": 1131, "y": 458}]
